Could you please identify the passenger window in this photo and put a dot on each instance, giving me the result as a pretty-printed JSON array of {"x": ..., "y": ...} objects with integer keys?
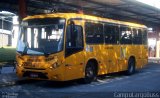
[
  {"x": 125, "y": 35},
  {"x": 111, "y": 33},
  {"x": 137, "y": 36},
  {"x": 79, "y": 38},
  {"x": 94, "y": 33}
]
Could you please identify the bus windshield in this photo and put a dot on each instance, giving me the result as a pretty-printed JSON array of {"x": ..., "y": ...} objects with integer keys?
[{"x": 41, "y": 36}]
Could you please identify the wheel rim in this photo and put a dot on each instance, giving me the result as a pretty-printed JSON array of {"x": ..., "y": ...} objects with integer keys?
[
  {"x": 131, "y": 69},
  {"x": 89, "y": 72}
]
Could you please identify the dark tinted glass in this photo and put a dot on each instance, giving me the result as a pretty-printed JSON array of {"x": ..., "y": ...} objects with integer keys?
[
  {"x": 125, "y": 35},
  {"x": 111, "y": 33},
  {"x": 94, "y": 33},
  {"x": 144, "y": 37},
  {"x": 78, "y": 34},
  {"x": 137, "y": 36}
]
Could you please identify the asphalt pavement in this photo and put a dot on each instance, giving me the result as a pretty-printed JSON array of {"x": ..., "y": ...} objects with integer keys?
[{"x": 145, "y": 83}]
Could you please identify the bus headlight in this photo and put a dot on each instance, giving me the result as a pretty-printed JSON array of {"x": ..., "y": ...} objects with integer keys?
[
  {"x": 55, "y": 65},
  {"x": 18, "y": 65}
]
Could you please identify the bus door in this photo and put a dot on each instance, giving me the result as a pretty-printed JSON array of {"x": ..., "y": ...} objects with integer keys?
[{"x": 74, "y": 51}]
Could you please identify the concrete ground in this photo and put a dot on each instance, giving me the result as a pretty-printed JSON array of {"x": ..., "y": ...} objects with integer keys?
[
  {"x": 143, "y": 84},
  {"x": 154, "y": 59}
]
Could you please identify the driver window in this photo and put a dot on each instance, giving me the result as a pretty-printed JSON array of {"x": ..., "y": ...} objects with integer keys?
[
  {"x": 74, "y": 40},
  {"x": 77, "y": 37}
]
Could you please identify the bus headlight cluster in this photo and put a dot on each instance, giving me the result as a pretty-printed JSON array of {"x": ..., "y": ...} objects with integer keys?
[
  {"x": 55, "y": 65},
  {"x": 18, "y": 65}
]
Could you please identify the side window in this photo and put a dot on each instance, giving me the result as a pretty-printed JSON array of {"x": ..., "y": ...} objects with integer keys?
[
  {"x": 144, "y": 37},
  {"x": 77, "y": 36},
  {"x": 111, "y": 33},
  {"x": 74, "y": 39},
  {"x": 137, "y": 36},
  {"x": 94, "y": 33},
  {"x": 125, "y": 35}
]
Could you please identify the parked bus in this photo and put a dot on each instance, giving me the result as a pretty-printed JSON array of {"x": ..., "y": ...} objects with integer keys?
[{"x": 67, "y": 46}]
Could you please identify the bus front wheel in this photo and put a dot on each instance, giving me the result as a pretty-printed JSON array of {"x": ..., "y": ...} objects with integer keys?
[
  {"x": 131, "y": 66},
  {"x": 90, "y": 73}
]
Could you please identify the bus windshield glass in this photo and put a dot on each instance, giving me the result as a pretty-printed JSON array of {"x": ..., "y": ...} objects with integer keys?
[{"x": 41, "y": 36}]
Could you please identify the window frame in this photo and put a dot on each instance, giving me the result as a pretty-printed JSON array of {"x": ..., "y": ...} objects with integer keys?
[
  {"x": 128, "y": 28},
  {"x": 146, "y": 38},
  {"x": 114, "y": 25},
  {"x": 137, "y": 36},
  {"x": 94, "y": 22},
  {"x": 72, "y": 50}
]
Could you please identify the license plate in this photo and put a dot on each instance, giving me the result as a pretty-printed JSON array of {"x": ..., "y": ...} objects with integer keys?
[{"x": 33, "y": 75}]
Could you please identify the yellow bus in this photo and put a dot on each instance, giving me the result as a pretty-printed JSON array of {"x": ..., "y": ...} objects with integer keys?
[{"x": 67, "y": 46}]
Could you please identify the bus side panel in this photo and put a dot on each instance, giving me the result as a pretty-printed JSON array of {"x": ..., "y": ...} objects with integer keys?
[
  {"x": 139, "y": 60},
  {"x": 97, "y": 52},
  {"x": 74, "y": 66},
  {"x": 114, "y": 59},
  {"x": 123, "y": 60},
  {"x": 115, "y": 62},
  {"x": 144, "y": 54},
  {"x": 101, "y": 54},
  {"x": 130, "y": 50},
  {"x": 136, "y": 51}
]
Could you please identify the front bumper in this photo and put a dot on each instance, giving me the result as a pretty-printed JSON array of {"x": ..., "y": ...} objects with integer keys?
[{"x": 42, "y": 74}]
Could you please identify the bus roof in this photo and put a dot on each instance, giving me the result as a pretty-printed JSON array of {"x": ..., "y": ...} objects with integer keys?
[{"x": 87, "y": 17}]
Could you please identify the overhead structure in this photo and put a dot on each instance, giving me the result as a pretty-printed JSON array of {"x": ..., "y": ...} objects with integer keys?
[{"x": 128, "y": 10}]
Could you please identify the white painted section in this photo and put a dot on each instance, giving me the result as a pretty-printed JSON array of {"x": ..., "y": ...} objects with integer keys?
[
  {"x": 154, "y": 3},
  {"x": 158, "y": 49},
  {"x": 152, "y": 42},
  {"x": 15, "y": 31},
  {"x": 5, "y": 31}
]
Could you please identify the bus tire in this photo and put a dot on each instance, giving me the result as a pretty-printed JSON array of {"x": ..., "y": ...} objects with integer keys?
[
  {"x": 90, "y": 73},
  {"x": 131, "y": 66}
]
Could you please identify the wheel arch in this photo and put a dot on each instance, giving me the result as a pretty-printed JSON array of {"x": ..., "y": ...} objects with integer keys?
[
  {"x": 132, "y": 57},
  {"x": 95, "y": 64}
]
